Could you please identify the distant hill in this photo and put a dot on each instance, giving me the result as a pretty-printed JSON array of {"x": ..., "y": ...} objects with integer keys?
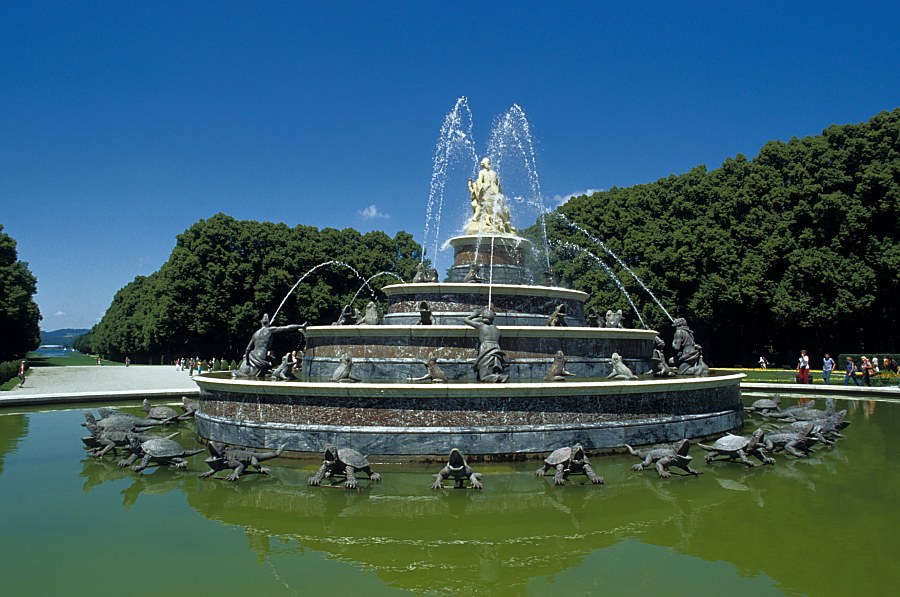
[{"x": 64, "y": 337}]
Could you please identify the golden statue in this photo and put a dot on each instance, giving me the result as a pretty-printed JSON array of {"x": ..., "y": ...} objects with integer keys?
[{"x": 490, "y": 214}]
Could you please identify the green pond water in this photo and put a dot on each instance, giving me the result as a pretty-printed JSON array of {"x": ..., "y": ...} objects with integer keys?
[{"x": 72, "y": 525}]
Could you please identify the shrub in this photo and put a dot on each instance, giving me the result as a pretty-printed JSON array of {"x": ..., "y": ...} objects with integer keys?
[{"x": 9, "y": 369}]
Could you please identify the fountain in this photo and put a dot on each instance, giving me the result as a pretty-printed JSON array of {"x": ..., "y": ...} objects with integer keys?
[{"x": 489, "y": 335}]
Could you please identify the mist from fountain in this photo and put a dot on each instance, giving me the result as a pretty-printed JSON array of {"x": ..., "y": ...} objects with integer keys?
[
  {"x": 511, "y": 139},
  {"x": 455, "y": 145},
  {"x": 510, "y": 142},
  {"x": 610, "y": 252},
  {"x": 612, "y": 276},
  {"x": 369, "y": 279}
]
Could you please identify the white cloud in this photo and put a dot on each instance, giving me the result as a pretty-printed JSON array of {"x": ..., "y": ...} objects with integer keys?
[
  {"x": 558, "y": 200},
  {"x": 371, "y": 212},
  {"x": 59, "y": 314}
]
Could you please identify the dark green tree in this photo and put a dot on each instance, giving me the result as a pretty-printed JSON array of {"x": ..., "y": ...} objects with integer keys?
[
  {"x": 19, "y": 314},
  {"x": 223, "y": 274},
  {"x": 797, "y": 248}
]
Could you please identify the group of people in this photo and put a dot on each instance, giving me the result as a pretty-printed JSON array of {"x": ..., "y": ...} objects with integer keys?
[
  {"x": 196, "y": 364},
  {"x": 868, "y": 368}
]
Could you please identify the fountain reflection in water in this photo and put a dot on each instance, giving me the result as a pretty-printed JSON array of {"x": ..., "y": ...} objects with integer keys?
[{"x": 519, "y": 536}]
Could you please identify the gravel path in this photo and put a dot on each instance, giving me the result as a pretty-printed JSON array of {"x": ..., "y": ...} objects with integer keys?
[{"x": 136, "y": 378}]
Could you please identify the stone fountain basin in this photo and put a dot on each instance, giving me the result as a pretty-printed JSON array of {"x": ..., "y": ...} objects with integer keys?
[
  {"x": 394, "y": 353},
  {"x": 515, "y": 304},
  {"x": 499, "y": 420}
]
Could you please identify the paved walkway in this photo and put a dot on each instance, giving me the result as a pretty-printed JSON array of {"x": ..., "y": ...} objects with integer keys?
[{"x": 46, "y": 385}]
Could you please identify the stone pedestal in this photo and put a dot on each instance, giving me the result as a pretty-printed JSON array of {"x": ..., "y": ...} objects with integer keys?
[{"x": 500, "y": 259}]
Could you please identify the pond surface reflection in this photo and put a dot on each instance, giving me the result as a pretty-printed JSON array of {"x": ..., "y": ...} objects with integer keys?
[{"x": 822, "y": 526}]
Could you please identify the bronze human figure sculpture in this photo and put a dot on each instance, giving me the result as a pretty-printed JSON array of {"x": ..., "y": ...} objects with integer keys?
[
  {"x": 689, "y": 359},
  {"x": 491, "y": 363},
  {"x": 256, "y": 361}
]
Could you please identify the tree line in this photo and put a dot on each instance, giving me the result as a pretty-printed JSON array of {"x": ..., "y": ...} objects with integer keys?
[
  {"x": 796, "y": 248},
  {"x": 223, "y": 274}
]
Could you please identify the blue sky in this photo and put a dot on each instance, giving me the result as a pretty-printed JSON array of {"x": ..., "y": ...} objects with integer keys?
[{"x": 123, "y": 123}]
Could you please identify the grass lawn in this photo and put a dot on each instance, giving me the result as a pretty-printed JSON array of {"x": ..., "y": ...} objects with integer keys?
[
  {"x": 10, "y": 384},
  {"x": 70, "y": 360},
  {"x": 789, "y": 376}
]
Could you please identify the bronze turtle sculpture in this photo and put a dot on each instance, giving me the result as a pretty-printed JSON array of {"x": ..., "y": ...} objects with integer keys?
[
  {"x": 343, "y": 462},
  {"x": 159, "y": 413},
  {"x": 105, "y": 441},
  {"x": 119, "y": 422},
  {"x": 764, "y": 405},
  {"x": 739, "y": 447},
  {"x": 568, "y": 461},
  {"x": 459, "y": 469},
  {"x": 160, "y": 450}
]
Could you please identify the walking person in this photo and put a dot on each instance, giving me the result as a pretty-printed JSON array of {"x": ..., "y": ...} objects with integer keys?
[
  {"x": 803, "y": 368},
  {"x": 867, "y": 370},
  {"x": 851, "y": 372},
  {"x": 21, "y": 374},
  {"x": 827, "y": 368}
]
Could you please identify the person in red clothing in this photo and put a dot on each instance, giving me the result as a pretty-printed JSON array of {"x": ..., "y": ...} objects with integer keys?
[
  {"x": 21, "y": 374},
  {"x": 803, "y": 368}
]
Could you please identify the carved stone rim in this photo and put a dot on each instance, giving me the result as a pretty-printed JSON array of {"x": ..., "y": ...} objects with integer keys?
[
  {"x": 484, "y": 289},
  {"x": 464, "y": 390},
  {"x": 463, "y": 331}
]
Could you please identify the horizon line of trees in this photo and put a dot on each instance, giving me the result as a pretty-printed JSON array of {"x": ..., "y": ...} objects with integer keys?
[
  {"x": 798, "y": 247},
  {"x": 223, "y": 274}
]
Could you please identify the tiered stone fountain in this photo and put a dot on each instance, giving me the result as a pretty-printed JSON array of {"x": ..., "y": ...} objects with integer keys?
[{"x": 387, "y": 413}]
